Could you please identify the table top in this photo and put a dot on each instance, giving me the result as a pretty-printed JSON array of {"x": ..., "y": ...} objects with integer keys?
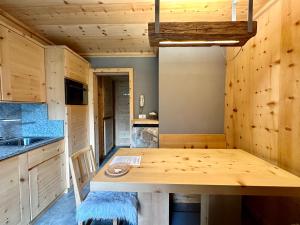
[{"x": 200, "y": 171}]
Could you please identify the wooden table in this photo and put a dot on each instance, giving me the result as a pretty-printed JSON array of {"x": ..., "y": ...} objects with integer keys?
[{"x": 195, "y": 171}]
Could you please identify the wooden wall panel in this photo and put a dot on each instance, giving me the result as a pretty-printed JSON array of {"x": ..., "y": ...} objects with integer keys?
[
  {"x": 289, "y": 124},
  {"x": 263, "y": 103},
  {"x": 228, "y": 114},
  {"x": 252, "y": 89},
  {"x": 192, "y": 141}
]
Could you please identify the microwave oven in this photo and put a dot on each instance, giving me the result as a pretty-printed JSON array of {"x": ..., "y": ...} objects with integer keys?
[{"x": 76, "y": 93}]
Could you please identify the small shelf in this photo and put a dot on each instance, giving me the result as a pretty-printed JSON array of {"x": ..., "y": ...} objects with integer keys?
[{"x": 144, "y": 121}]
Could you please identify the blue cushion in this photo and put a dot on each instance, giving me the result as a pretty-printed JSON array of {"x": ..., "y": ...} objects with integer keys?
[{"x": 109, "y": 206}]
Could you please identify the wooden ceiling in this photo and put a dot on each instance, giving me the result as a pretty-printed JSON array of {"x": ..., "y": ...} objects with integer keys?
[{"x": 114, "y": 27}]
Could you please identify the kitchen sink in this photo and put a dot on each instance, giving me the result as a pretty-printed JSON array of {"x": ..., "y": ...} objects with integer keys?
[{"x": 24, "y": 141}]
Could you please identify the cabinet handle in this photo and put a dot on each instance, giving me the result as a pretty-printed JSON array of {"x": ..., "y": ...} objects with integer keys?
[{"x": 22, "y": 179}]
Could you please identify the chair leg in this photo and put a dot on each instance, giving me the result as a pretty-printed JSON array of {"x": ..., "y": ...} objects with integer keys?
[{"x": 115, "y": 222}]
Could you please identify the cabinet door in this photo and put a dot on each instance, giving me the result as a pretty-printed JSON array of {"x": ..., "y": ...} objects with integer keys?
[
  {"x": 14, "y": 191},
  {"x": 23, "y": 68},
  {"x": 47, "y": 182},
  {"x": 77, "y": 127},
  {"x": 76, "y": 68}
]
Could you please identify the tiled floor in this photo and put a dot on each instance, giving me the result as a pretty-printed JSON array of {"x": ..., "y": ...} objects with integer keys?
[{"x": 61, "y": 213}]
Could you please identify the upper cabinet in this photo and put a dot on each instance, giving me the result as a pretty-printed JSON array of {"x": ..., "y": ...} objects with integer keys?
[
  {"x": 62, "y": 62},
  {"x": 22, "y": 68},
  {"x": 76, "y": 68}
]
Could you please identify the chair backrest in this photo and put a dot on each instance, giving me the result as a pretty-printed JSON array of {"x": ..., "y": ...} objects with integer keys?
[{"x": 83, "y": 168}]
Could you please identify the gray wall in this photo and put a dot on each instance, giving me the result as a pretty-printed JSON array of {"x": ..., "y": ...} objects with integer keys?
[
  {"x": 145, "y": 77},
  {"x": 191, "y": 90}
]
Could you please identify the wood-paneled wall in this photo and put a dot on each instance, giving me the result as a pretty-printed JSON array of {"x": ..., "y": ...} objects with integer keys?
[
  {"x": 192, "y": 141},
  {"x": 262, "y": 104}
]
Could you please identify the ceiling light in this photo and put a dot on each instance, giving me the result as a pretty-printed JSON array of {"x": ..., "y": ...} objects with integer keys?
[{"x": 224, "y": 42}]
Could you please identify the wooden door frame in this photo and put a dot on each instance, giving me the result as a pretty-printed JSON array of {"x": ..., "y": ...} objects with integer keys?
[{"x": 93, "y": 102}]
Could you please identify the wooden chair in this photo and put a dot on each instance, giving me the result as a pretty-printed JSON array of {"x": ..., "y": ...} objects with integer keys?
[{"x": 83, "y": 169}]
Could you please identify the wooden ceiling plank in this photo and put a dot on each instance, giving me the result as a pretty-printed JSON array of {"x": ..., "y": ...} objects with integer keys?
[
  {"x": 116, "y": 25},
  {"x": 117, "y": 13}
]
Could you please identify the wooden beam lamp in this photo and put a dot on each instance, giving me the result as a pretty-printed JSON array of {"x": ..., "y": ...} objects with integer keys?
[{"x": 201, "y": 34}]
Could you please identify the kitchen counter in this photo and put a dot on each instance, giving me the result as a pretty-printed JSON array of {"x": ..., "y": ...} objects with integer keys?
[{"x": 10, "y": 151}]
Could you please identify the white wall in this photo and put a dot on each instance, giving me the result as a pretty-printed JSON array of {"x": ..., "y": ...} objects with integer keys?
[{"x": 191, "y": 90}]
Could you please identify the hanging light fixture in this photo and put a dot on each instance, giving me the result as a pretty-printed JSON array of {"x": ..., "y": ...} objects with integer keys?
[{"x": 185, "y": 34}]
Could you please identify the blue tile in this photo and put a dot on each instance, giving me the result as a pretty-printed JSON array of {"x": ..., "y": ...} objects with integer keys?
[
  {"x": 35, "y": 122},
  {"x": 11, "y": 128}
]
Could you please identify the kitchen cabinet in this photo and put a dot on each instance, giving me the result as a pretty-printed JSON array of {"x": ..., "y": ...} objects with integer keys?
[
  {"x": 22, "y": 68},
  {"x": 47, "y": 175},
  {"x": 47, "y": 182},
  {"x": 14, "y": 191},
  {"x": 30, "y": 182},
  {"x": 62, "y": 62},
  {"x": 76, "y": 68},
  {"x": 77, "y": 127},
  {"x": 44, "y": 153}
]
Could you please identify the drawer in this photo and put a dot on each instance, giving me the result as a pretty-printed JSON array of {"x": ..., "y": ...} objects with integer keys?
[{"x": 44, "y": 153}]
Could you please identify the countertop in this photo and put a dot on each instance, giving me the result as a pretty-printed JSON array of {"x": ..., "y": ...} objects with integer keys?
[{"x": 10, "y": 151}]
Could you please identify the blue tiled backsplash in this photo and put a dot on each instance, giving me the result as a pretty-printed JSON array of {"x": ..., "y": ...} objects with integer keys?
[{"x": 33, "y": 121}]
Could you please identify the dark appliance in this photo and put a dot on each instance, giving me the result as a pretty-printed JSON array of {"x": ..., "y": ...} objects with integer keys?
[{"x": 76, "y": 93}]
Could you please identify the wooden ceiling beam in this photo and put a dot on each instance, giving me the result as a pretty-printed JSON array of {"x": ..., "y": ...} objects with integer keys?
[{"x": 201, "y": 31}]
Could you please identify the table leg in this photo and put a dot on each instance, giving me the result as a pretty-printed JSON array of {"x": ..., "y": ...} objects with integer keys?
[
  {"x": 204, "y": 215},
  {"x": 154, "y": 209},
  {"x": 216, "y": 209}
]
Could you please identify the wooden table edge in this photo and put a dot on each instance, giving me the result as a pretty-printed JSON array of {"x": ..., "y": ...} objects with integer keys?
[{"x": 195, "y": 189}]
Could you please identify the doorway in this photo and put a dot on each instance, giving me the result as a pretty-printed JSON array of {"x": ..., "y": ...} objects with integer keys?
[{"x": 113, "y": 100}]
